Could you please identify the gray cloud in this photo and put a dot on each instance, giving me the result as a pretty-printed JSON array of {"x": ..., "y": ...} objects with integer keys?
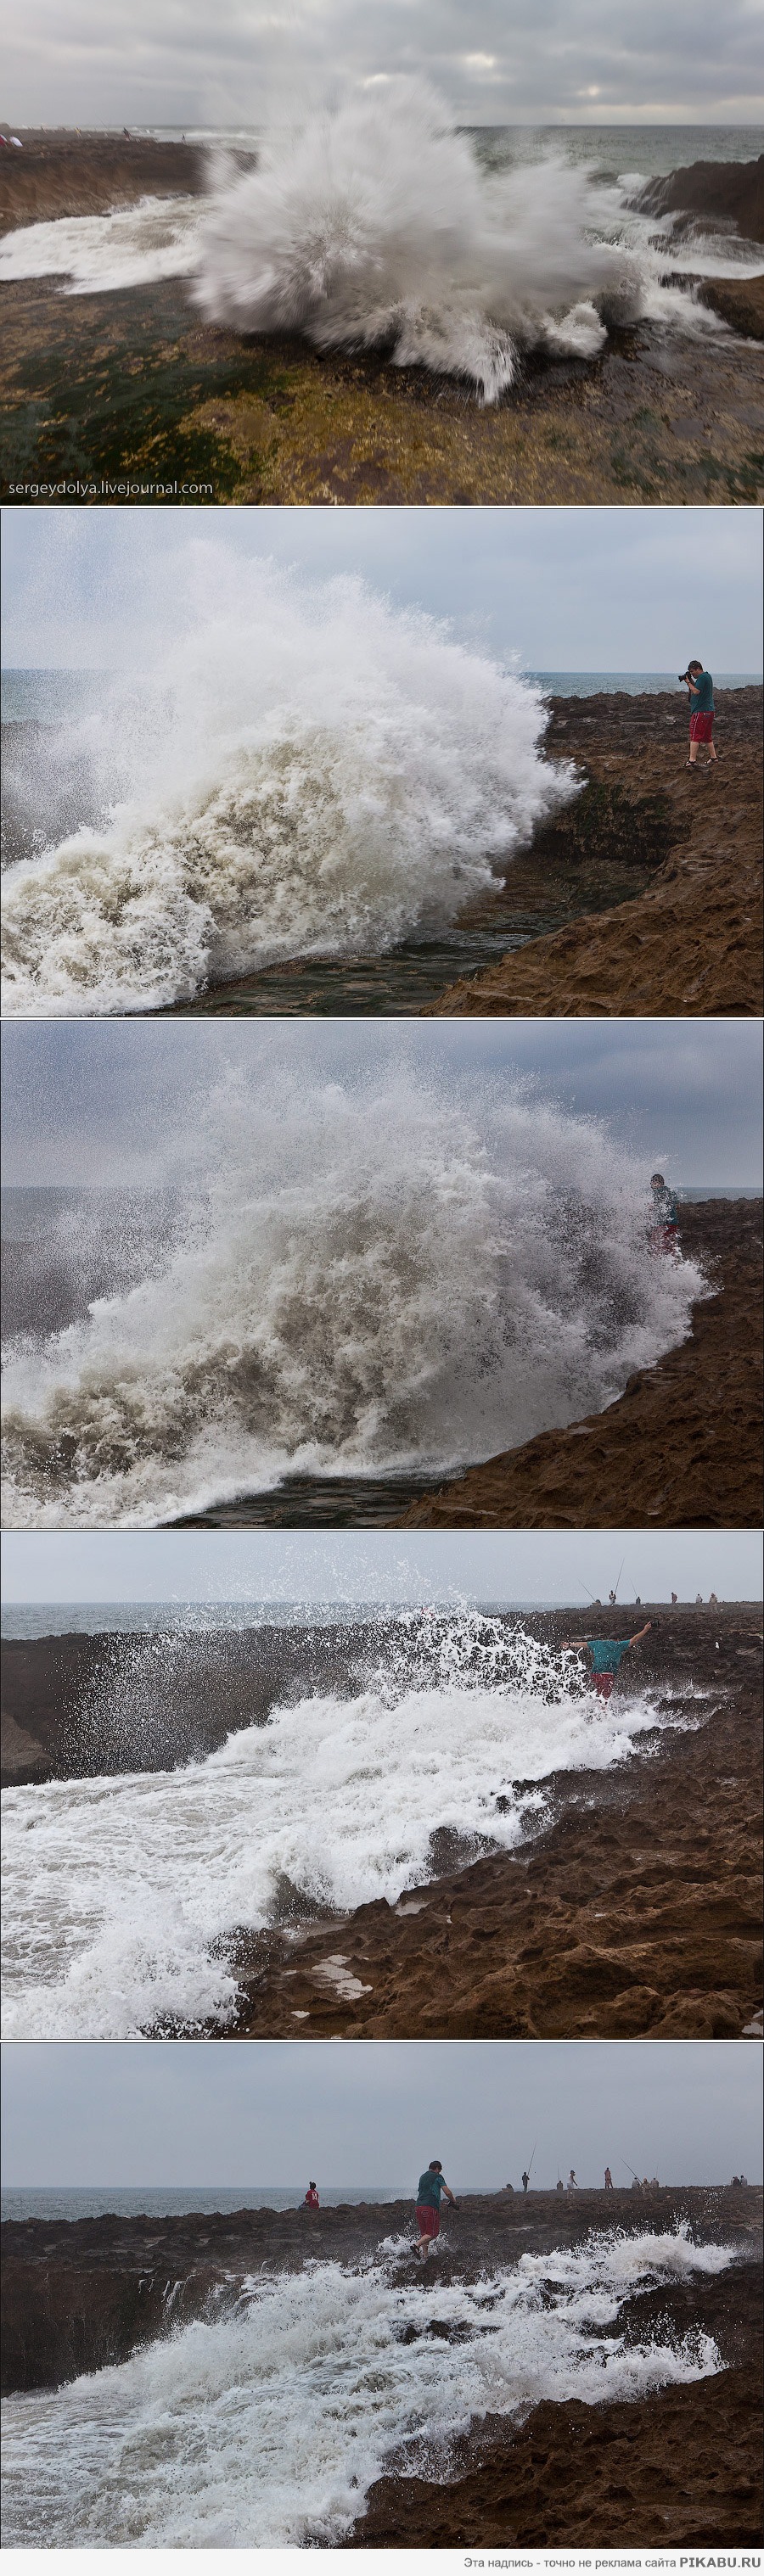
[
  {"x": 102, "y": 1101},
  {"x": 271, "y": 2112},
  {"x": 146, "y": 61},
  {"x": 578, "y": 590},
  {"x": 263, "y": 1565}
]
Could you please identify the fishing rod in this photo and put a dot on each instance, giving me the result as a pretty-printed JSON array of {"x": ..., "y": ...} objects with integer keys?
[
  {"x": 629, "y": 2169},
  {"x": 529, "y": 2168},
  {"x": 618, "y": 1577}
]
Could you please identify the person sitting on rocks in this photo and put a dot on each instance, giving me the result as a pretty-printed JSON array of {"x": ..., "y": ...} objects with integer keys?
[
  {"x": 606, "y": 1654},
  {"x": 311, "y": 2200},
  {"x": 700, "y": 691},
  {"x": 431, "y": 2188}
]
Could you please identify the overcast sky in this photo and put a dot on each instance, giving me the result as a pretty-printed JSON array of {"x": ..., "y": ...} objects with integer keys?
[
  {"x": 566, "y": 590},
  {"x": 604, "y": 62},
  {"x": 108, "y": 1100},
  {"x": 275, "y": 2111},
  {"x": 480, "y": 1565}
]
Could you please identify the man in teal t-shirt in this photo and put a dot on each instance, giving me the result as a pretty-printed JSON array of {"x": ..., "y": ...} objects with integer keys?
[
  {"x": 606, "y": 1654},
  {"x": 700, "y": 691},
  {"x": 430, "y": 2188}
]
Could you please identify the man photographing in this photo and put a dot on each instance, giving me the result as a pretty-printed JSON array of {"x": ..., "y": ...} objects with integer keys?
[
  {"x": 606, "y": 1655},
  {"x": 700, "y": 691}
]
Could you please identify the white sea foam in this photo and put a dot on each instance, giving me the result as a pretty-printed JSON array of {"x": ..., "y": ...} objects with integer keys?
[
  {"x": 267, "y": 2428},
  {"x": 97, "y": 254},
  {"x": 120, "y": 1893},
  {"x": 383, "y": 1280},
  {"x": 329, "y": 775}
]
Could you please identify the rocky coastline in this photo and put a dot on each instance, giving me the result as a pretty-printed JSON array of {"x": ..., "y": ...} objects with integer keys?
[
  {"x": 82, "y": 2294},
  {"x": 631, "y": 1908},
  {"x": 680, "y": 2466},
  {"x": 690, "y": 941},
  {"x": 680, "y": 1448},
  {"x": 129, "y": 388}
]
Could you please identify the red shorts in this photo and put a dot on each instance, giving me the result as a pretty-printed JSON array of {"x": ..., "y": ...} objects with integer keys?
[
  {"x": 428, "y": 2220},
  {"x": 603, "y": 1684},
  {"x": 701, "y": 728}
]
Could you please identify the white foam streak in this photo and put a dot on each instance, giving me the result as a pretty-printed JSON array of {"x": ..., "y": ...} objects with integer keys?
[
  {"x": 119, "y": 1892},
  {"x": 330, "y": 775},
  {"x": 101, "y": 254},
  {"x": 267, "y": 2428},
  {"x": 386, "y": 1280}
]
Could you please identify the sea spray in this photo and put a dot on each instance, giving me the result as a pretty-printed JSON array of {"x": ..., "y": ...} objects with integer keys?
[
  {"x": 374, "y": 227},
  {"x": 267, "y": 2426},
  {"x": 323, "y": 775},
  {"x": 385, "y": 1279},
  {"x": 125, "y": 1898}
]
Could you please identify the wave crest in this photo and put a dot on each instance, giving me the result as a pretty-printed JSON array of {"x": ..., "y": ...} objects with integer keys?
[
  {"x": 371, "y": 1281},
  {"x": 335, "y": 774},
  {"x": 374, "y": 227}
]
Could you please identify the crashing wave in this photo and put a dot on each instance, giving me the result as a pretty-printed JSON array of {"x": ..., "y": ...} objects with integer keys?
[{"x": 336, "y": 774}]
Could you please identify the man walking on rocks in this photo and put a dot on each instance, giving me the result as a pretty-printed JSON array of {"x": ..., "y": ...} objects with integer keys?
[{"x": 431, "y": 2187}]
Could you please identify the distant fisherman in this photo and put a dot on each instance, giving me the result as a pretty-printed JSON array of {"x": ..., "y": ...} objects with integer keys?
[
  {"x": 311, "y": 2200},
  {"x": 430, "y": 2189},
  {"x": 606, "y": 1654},
  {"x": 664, "y": 1216},
  {"x": 700, "y": 691},
  {"x": 608, "y": 2179}
]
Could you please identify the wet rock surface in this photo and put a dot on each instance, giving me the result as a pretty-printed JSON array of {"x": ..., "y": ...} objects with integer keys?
[
  {"x": 678, "y": 2469},
  {"x": 632, "y": 1908},
  {"x": 690, "y": 941},
  {"x": 723, "y": 192},
  {"x": 111, "y": 1702},
  {"x": 129, "y": 387},
  {"x": 91, "y": 174},
  {"x": 78, "y": 2295},
  {"x": 681, "y": 1447}
]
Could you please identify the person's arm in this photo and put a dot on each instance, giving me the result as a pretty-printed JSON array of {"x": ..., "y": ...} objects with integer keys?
[
  {"x": 574, "y": 1641},
  {"x": 639, "y": 1633},
  {"x": 448, "y": 2195}
]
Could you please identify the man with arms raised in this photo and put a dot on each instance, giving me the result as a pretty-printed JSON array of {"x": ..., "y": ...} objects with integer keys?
[{"x": 606, "y": 1654}]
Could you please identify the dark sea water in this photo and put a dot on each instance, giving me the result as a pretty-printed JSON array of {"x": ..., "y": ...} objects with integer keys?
[
  {"x": 178, "y": 2200},
  {"x": 27, "y": 1620},
  {"x": 650, "y": 150}
]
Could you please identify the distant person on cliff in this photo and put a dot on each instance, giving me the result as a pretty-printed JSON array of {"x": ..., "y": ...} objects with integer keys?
[
  {"x": 525, "y": 2179},
  {"x": 431, "y": 2188},
  {"x": 664, "y": 1216},
  {"x": 311, "y": 2200},
  {"x": 608, "y": 2179},
  {"x": 700, "y": 691},
  {"x": 606, "y": 1654}
]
